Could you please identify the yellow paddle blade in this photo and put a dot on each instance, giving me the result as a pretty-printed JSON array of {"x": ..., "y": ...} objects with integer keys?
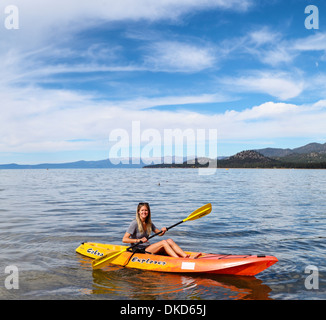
[
  {"x": 200, "y": 212},
  {"x": 103, "y": 261}
]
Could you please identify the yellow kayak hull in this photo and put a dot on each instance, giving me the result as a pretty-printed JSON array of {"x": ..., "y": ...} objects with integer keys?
[{"x": 244, "y": 265}]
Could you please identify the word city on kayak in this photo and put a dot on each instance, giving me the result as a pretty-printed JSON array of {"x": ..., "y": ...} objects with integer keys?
[{"x": 96, "y": 252}]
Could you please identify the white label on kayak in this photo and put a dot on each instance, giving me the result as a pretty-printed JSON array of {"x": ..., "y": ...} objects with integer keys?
[{"x": 188, "y": 265}]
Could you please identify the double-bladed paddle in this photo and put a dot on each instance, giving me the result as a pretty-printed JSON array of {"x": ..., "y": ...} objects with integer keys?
[{"x": 103, "y": 261}]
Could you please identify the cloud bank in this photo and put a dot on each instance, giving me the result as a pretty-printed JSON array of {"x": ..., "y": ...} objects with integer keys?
[{"x": 60, "y": 92}]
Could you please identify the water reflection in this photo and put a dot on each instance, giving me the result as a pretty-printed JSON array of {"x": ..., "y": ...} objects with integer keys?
[
  {"x": 124, "y": 283},
  {"x": 45, "y": 214}
]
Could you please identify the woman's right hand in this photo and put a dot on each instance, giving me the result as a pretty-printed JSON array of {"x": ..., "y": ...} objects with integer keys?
[{"x": 144, "y": 239}]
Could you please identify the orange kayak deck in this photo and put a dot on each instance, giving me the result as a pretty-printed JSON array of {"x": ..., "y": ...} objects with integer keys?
[{"x": 242, "y": 265}]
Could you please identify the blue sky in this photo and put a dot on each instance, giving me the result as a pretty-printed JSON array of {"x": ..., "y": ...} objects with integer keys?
[{"x": 73, "y": 73}]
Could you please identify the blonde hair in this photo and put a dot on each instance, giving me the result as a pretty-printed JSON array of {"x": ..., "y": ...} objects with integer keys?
[{"x": 148, "y": 219}]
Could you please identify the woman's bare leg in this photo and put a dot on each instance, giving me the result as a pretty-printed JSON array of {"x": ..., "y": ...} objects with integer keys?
[
  {"x": 177, "y": 249},
  {"x": 169, "y": 246},
  {"x": 156, "y": 247}
]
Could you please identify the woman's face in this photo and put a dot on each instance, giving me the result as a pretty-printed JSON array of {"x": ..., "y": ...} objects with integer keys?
[{"x": 143, "y": 213}]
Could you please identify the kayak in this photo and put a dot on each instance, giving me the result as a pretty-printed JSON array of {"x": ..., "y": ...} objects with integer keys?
[{"x": 242, "y": 265}]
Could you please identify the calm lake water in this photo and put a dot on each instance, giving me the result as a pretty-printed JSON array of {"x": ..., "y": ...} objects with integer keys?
[{"x": 46, "y": 214}]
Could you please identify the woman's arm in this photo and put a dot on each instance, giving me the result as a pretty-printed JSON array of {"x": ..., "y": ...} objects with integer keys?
[
  {"x": 126, "y": 239},
  {"x": 163, "y": 230}
]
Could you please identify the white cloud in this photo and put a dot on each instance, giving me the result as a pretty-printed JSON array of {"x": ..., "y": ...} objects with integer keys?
[
  {"x": 269, "y": 47},
  {"x": 264, "y": 36},
  {"x": 39, "y": 17},
  {"x": 268, "y": 110},
  {"x": 143, "y": 103},
  {"x": 39, "y": 120},
  {"x": 316, "y": 42},
  {"x": 278, "y": 55},
  {"x": 51, "y": 25},
  {"x": 274, "y": 120},
  {"x": 35, "y": 119},
  {"x": 279, "y": 85},
  {"x": 179, "y": 57},
  {"x": 273, "y": 48}
]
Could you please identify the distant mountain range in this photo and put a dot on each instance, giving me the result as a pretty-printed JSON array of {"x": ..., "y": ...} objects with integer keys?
[
  {"x": 309, "y": 148},
  {"x": 312, "y": 155},
  {"x": 70, "y": 165},
  {"x": 100, "y": 164}
]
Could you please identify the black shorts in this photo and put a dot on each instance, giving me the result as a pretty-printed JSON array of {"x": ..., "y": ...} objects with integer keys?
[{"x": 137, "y": 249}]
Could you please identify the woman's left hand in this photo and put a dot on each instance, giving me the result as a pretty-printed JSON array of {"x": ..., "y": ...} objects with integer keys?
[{"x": 163, "y": 230}]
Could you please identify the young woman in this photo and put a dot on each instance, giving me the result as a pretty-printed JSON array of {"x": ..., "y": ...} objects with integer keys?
[{"x": 142, "y": 227}]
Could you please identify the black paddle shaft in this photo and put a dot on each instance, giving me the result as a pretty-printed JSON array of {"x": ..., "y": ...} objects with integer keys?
[
  {"x": 155, "y": 234},
  {"x": 168, "y": 228}
]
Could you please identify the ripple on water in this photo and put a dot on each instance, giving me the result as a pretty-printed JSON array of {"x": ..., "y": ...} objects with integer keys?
[{"x": 46, "y": 214}]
